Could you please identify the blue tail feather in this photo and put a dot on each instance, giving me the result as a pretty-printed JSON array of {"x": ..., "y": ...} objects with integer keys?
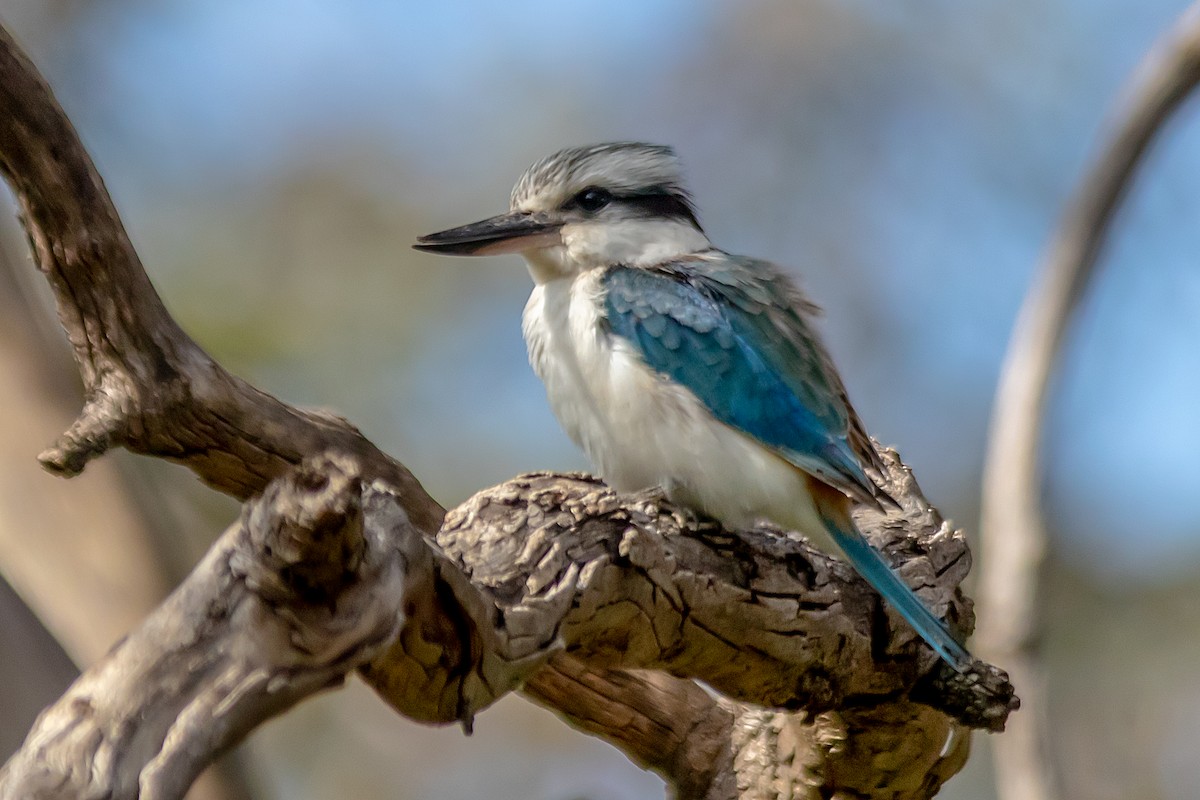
[{"x": 870, "y": 563}]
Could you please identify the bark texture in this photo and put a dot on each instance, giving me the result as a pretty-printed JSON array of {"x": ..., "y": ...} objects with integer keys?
[
  {"x": 604, "y": 607},
  {"x": 296, "y": 594}
]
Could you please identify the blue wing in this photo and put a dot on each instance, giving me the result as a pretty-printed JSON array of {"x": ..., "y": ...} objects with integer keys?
[{"x": 730, "y": 332}]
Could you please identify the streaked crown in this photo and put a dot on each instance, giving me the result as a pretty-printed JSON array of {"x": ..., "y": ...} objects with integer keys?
[{"x": 640, "y": 176}]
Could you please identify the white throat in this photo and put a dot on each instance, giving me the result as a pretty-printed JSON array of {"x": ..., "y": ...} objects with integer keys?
[{"x": 635, "y": 242}]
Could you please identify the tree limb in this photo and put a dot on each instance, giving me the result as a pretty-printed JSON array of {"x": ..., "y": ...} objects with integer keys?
[
  {"x": 294, "y": 595},
  {"x": 542, "y": 580},
  {"x": 148, "y": 386},
  {"x": 1012, "y": 530},
  {"x": 319, "y": 575},
  {"x": 628, "y": 581}
]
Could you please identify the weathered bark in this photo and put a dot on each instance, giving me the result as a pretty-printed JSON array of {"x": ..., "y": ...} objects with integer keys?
[
  {"x": 291, "y": 598},
  {"x": 549, "y": 581},
  {"x": 148, "y": 386},
  {"x": 320, "y": 574},
  {"x": 629, "y": 582}
]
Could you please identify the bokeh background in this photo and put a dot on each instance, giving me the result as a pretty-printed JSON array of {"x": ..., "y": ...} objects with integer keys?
[{"x": 274, "y": 159}]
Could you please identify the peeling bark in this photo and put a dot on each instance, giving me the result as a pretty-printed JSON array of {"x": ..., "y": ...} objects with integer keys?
[{"x": 631, "y": 582}]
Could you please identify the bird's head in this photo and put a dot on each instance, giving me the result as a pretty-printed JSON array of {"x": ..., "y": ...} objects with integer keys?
[{"x": 587, "y": 207}]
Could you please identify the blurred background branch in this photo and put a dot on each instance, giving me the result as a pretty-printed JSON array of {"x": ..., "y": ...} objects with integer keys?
[{"x": 1012, "y": 528}]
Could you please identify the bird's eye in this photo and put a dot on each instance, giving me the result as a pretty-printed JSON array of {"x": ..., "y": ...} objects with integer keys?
[{"x": 592, "y": 199}]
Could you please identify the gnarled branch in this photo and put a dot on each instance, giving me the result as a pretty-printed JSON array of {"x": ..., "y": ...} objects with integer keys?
[
  {"x": 570, "y": 586},
  {"x": 294, "y": 595},
  {"x": 148, "y": 386}
]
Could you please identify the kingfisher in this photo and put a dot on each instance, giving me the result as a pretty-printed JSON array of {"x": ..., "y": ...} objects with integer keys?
[{"x": 675, "y": 364}]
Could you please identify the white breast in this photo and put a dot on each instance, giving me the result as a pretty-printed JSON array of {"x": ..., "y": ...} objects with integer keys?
[{"x": 642, "y": 430}]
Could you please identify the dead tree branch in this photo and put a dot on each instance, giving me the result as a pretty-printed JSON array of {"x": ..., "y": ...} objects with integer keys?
[
  {"x": 294, "y": 595},
  {"x": 551, "y": 582},
  {"x": 1012, "y": 529},
  {"x": 148, "y": 386},
  {"x": 629, "y": 582},
  {"x": 320, "y": 575}
]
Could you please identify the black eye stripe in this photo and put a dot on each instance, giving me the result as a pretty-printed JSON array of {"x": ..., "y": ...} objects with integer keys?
[
  {"x": 663, "y": 205},
  {"x": 669, "y": 205}
]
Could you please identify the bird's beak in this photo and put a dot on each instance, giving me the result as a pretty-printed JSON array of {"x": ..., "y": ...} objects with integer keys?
[{"x": 514, "y": 232}]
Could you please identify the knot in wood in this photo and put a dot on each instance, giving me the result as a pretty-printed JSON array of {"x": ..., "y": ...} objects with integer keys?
[{"x": 306, "y": 532}]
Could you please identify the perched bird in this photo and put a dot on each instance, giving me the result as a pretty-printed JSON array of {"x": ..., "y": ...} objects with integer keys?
[{"x": 675, "y": 364}]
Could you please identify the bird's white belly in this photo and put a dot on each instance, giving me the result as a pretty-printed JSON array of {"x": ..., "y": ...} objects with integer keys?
[{"x": 642, "y": 430}]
